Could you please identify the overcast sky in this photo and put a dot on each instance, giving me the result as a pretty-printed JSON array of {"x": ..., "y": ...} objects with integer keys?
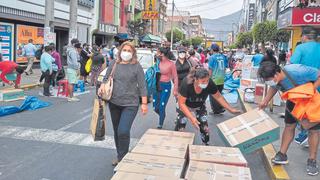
[{"x": 211, "y": 9}]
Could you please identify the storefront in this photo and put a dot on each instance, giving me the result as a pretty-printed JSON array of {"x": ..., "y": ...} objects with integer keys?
[
  {"x": 295, "y": 19},
  {"x": 105, "y": 34}
]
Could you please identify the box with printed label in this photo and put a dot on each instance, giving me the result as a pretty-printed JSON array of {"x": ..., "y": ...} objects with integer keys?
[
  {"x": 249, "y": 131},
  {"x": 218, "y": 155},
  {"x": 203, "y": 170},
  {"x": 135, "y": 176},
  {"x": 166, "y": 143},
  {"x": 151, "y": 165},
  {"x": 11, "y": 94}
]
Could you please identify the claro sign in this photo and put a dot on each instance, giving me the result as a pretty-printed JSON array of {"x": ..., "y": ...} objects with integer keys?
[{"x": 306, "y": 16}]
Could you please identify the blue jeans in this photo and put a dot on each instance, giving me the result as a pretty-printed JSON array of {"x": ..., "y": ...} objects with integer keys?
[
  {"x": 122, "y": 118},
  {"x": 160, "y": 100}
]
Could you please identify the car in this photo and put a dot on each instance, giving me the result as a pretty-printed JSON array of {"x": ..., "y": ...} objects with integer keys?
[{"x": 145, "y": 58}]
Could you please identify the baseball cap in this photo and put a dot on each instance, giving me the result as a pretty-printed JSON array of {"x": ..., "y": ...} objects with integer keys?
[{"x": 215, "y": 47}]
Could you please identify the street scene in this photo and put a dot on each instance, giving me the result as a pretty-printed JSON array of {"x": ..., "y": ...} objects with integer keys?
[{"x": 159, "y": 89}]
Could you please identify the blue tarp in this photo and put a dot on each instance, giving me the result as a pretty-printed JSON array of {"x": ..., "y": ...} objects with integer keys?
[
  {"x": 30, "y": 103},
  {"x": 230, "y": 89}
]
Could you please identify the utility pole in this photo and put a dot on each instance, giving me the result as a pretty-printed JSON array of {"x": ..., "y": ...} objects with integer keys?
[
  {"x": 171, "y": 42},
  {"x": 73, "y": 19},
  {"x": 49, "y": 18}
]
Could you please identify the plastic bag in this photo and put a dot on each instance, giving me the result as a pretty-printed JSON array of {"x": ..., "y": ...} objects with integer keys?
[{"x": 88, "y": 65}]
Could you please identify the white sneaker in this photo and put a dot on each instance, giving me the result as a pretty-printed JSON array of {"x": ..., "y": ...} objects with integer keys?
[{"x": 73, "y": 99}]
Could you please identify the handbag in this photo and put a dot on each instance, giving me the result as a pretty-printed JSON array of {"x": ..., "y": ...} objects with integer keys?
[
  {"x": 108, "y": 85},
  {"x": 98, "y": 120}
]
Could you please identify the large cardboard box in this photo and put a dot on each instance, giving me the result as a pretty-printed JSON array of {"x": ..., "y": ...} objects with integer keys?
[
  {"x": 247, "y": 83},
  {"x": 151, "y": 165},
  {"x": 164, "y": 143},
  {"x": 11, "y": 94},
  {"x": 135, "y": 176},
  {"x": 249, "y": 131},
  {"x": 202, "y": 170},
  {"x": 218, "y": 155}
]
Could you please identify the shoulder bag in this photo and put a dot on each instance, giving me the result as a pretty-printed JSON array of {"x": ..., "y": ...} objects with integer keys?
[{"x": 108, "y": 85}]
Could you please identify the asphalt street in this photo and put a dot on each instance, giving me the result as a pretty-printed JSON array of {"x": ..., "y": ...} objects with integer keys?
[{"x": 54, "y": 143}]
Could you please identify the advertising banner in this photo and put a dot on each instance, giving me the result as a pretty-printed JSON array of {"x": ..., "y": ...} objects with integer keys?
[
  {"x": 150, "y": 5},
  {"x": 306, "y": 16},
  {"x": 6, "y": 41}
]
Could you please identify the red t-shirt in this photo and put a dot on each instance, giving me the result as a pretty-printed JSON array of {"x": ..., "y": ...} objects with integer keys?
[{"x": 7, "y": 67}]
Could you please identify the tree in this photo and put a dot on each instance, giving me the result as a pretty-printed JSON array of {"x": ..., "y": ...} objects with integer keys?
[
  {"x": 265, "y": 32},
  {"x": 177, "y": 35},
  {"x": 244, "y": 39},
  {"x": 135, "y": 28},
  {"x": 186, "y": 42},
  {"x": 196, "y": 41}
]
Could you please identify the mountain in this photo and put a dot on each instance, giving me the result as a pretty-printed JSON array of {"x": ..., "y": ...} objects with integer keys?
[{"x": 222, "y": 26}]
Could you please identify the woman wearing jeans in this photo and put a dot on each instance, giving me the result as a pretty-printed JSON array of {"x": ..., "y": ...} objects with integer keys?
[
  {"x": 168, "y": 72},
  {"x": 129, "y": 85}
]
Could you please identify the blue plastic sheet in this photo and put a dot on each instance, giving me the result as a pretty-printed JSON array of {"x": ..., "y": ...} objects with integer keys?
[
  {"x": 30, "y": 103},
  {"x": 230, "y": 88}
]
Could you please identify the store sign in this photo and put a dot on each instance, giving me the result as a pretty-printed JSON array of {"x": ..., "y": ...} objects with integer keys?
[
  {"x": 150, "y": 15},
  {"x": 6, "y": 41},
  {"x": 285, "y": 19},
  {"x": 150, "y": 5},
  {"x": 108, "y": 28},
  {"x": 306, "y": 16}
]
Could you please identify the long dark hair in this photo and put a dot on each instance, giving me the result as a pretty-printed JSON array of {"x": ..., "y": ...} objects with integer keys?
[
  {"x": 167, "y": 53},
  {"x": 197, "y": 73}
]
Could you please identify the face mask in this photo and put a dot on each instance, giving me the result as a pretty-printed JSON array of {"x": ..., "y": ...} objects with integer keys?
[
  {"x": 271, "y": 83},
  {"x": 203, "y": 86},
  {"x": 182, "y": 55},
  {"x": 126, "y": 56}
]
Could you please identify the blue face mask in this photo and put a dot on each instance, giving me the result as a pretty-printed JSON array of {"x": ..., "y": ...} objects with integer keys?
[{"x": 271, "y": 83}]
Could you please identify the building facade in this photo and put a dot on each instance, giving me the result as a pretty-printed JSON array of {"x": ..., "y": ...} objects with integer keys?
[
  {"x": 196, "y": 26},
  {"x": 179, "y": 20}
]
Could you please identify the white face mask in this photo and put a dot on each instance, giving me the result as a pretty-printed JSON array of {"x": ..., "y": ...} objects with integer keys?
[
  {"x": 203, "y": 86},
  {"x": 182, "y": 55},
  {"x": 271, "y": 83},
  {"x": 126, "y": 56}
]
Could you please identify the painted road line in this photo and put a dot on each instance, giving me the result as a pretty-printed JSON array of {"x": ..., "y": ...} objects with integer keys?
[
  {"x": 86, "y": 111},
  {"x": 68, "y": 126},
  {"x": 59, "y": 137},
  {"x": 276, "y": 172}
]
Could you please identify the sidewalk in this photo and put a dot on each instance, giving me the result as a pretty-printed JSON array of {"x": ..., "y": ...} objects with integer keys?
[{"x": 27, "y": 81}]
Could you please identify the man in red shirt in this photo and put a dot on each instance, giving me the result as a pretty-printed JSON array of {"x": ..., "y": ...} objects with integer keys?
[{"x": 9, "y": 67}]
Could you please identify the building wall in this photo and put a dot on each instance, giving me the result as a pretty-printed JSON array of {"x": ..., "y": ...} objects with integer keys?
[{"x": 107, "y": 11}]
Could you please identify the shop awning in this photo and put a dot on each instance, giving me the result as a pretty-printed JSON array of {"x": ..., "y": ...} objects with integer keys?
[
  {"x": 151, "y": 38},
  {"x": 123, "y": 36}
]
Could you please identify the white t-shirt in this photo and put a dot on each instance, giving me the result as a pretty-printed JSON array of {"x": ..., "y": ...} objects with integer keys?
[{"x": 115, "y": 53}]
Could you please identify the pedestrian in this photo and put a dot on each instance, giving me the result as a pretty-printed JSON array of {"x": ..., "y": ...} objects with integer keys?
[
  {"x": 64, "y": 54},
  {"x": 285, "y": 79},
  {"x": 183, "y": 66},
  {"x": 97, "y": 62},
  {"x": 193, "y": 93},
  {"x": 218, "y": 64},
  {"x": 57, "y": 65},
  {"x": 30, "y": 51},
  {"x": 202, "y": 56},
  {"x": 282, "y": 58},
  {"x": 269, "y": 56},
  {"x": 46, "y": 61},
  {"x": 73, "y": 58},
  {"x": 105, "y": 53},
  {"x": 307, "y": 54},
  {"x": 193, "y": 58},
  {"x": 114, "y": 51},
  {"x": 129, "y": 86},
  {"x": 84, "y": 57},
  {"x": 257, "y": 58},
  {"x": 168, "y": 73},
  {"x": 10, "y": 67}
]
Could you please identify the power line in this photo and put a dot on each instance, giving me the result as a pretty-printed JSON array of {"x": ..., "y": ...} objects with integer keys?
[
  {"x": 211, "y": 7},
  {"x": 199, "y": 4}
]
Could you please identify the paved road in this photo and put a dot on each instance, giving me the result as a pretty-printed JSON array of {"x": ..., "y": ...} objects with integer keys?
[{"x": 54, "y": 143}]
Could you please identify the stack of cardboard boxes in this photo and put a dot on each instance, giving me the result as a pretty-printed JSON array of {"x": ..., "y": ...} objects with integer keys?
[
  {"x": 11, "y": 94},
  {"x": 170, "y": 155}
]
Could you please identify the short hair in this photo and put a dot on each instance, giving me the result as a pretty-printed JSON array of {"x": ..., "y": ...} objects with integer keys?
[
  {"x": 30, "y": 40},
  {"x": 310, "y": 32},
  {"x": 47, "y": 48},
  {"x": 53, "y": 46},
  {"x": 192, "y": 52},
  {"x": 85, "y": 44},
  {"x": 20, "y": 69},
  {"x": 257, "y": 51},
  {"x": 197, "y": 73},
  {"x": 267, "y": 70},
  {"x": 74, "y": 41},
  {"x": 77, "y": 45}
]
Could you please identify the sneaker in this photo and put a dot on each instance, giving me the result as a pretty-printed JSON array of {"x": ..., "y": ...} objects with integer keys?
[
  {"x": 219, "y": 112},
  {"x": 73, "y": 99},
  {"x": 312, "y": 167},
  {"x": 280, "y": 158},
  {"x": 159, "y": 127},
  {"x": 306, "y": 145},
  {"x": 302, "y": 138}
]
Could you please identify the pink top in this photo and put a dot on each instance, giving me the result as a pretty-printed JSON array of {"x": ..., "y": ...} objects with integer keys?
[
  {"x": 168, "y": 72},
  {"x": 203, "y": 58}
]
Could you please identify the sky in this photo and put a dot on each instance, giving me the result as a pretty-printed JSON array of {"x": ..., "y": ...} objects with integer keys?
[{"x": 211, "y": 9}]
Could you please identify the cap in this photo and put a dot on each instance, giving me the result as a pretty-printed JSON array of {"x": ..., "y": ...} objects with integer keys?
[
  {"x": 182, "y": 49},
  {"x": 215, "y": 47}
]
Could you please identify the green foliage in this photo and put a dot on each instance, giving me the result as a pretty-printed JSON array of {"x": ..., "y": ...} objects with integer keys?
[
  {"x": 260, "y": 32},
  {"x": 177, "y": 35},
  {"x": 244, "y": 39},
  {"x": 282, "y": 36},
  {"x": 186, "y": 42},
  {"x": 196, "y": 41}
]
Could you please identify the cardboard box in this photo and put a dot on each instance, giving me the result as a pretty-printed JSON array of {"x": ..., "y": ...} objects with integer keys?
[
  {"x": 259, "y": 93},
  {"x": 254, "y": 73},
  {"x": 164, "y": 143},
  {"x": 202, "y": 170},
  {"x": 151, "y": 165},
  {"x": 247, "y": 83},
  {"x": 249, "y": 131},
  {"x": 218, "y": 155},
  {"x": 135, "y": 176},
  {"x": 11, "y": 94}
]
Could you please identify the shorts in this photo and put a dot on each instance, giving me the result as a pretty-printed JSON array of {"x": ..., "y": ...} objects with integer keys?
[
  {"x": 289, "y": 119},
  {"x": 72, "y": 76}
]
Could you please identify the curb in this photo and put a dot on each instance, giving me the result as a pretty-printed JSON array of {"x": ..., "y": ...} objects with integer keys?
[
  {"x": 276, "y": 172},
  {"x": 29, "y": 86}
]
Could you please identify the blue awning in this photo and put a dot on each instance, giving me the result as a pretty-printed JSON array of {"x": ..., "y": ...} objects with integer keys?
[{"x": 123, "y": 36}]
